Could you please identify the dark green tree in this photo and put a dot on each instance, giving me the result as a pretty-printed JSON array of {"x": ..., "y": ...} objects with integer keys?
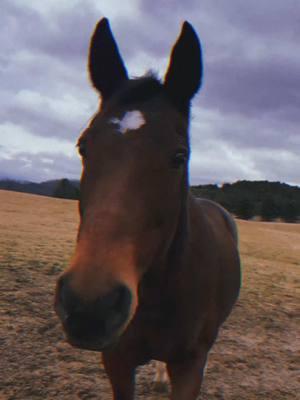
[
  {"x": 269, "y": 209},
  {"x": 65, "y": 190},
  {"x": 244, "y": 208},
  {"x": 290, "y": 212}
]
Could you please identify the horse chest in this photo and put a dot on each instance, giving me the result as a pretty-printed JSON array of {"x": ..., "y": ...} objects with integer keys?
[{"x": 163, "y": 332}]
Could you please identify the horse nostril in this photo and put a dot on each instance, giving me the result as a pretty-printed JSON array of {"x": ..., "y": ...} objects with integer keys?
[
  {"x": 66, "y": 301},
  {"x": 96, "y": 319},
  {"x": 117, "y": 307},
  {"x": 118, "y": 300}
]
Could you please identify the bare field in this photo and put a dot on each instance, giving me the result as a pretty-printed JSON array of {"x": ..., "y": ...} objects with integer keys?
[{"x": 255, "y": 356}]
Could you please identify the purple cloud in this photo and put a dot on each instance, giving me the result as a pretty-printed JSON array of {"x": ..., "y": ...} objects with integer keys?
[{"x": 249, "y": 101}]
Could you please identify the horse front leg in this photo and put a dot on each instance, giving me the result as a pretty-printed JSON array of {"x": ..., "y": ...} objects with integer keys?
[
  {"x": 186, "y": 378},
  {"x": 121, "y": 374}
]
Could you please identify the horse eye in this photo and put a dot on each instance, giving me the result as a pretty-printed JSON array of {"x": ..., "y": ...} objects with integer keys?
[
  {"x": 179, "y": 158},
  {"x": 82, "y": 149}
]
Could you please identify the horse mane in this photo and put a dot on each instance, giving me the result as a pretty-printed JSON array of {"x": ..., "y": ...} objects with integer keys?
[{"x": 139, "y": 90}]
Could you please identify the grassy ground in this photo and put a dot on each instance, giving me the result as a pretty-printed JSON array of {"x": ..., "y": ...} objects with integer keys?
[{"x": 255, "y": 356}]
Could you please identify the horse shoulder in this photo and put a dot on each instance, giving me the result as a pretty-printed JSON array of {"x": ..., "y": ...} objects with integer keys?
[
  {"x": 218, "y": 217},
  {"x": 215, "y": 239}
]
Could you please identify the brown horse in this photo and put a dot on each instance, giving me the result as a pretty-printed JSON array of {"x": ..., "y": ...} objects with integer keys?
[{"x": 156, "y": 271}]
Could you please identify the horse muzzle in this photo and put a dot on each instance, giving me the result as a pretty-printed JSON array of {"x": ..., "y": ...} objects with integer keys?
[{"x": 93, "y": 325}]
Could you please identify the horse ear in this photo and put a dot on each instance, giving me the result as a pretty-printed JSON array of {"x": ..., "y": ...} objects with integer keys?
[
  {"x": 105, "y": 64},
  {"x": 184, "y": 74}
]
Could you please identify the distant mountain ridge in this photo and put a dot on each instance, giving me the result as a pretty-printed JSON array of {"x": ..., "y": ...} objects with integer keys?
[{"x": 47, "y": 188}]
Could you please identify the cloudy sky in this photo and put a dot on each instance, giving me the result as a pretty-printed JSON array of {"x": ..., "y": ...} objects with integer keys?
[{"x": 246, "y": 117}]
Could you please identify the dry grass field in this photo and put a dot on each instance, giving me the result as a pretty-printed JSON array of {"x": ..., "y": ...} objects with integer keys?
[{"x": 255, "y": 356}]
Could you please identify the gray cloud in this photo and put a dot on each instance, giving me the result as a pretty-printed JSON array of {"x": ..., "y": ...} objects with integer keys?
[
  {"x": 45, "y": 86},
  {"x": 39, "y": 167},
  {"x": 248, "y": 107}
]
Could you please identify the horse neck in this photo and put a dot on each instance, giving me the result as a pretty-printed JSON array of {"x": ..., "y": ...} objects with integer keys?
[
  {"x": 177, "y": 249},
  {"x": 172, "y": 259}
]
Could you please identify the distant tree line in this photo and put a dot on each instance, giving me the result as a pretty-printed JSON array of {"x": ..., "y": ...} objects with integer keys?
[
  {"x": 62, "y": 188},
  {"x": 65, "y": 189},
  {"x": 248, "y": 199},
  {"x": 245, "y": 199}
]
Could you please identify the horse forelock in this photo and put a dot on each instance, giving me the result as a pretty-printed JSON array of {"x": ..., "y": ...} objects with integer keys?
[{"x": 138, "y": 91}]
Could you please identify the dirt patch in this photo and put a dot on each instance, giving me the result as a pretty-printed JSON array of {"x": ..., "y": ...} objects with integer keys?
[{"x": 255, "y": 356}]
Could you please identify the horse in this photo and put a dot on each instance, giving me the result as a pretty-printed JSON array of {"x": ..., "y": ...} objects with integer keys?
[{"x": 155, "y": 271}]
